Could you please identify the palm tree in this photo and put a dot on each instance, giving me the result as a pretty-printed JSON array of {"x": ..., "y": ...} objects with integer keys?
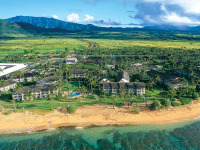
[
  {"x": 1, "y": 70},
  {"x": 11, "y": 77},
  {"x": 83, "y": 90},
  {"x": 3, "y": 84},
  {"x": 1, "y": 108},
  {"x": 150, "y": 84},
  {"x": 122, "y": 92},
  {"x": 60, "y": 97},
  {"x": 92, "y": 81},
  {"x": 20, "y": 73},
  {"x": 139, "y": 97},
  {"x": 51, "y": 96},
  {"x": 158, "y": 78},
  {"x": 147, "y": 94},
  {"x": 143, "y": 73},
  {"x": 14, "y": 105},
  {"x": 66, "y": 70},
  {"x": 104, "y": 94},
  {"x": 30, "y": 95}
]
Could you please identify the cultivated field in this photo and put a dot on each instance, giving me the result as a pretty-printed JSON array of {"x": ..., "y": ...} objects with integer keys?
[{"x": 102, "y": 41}]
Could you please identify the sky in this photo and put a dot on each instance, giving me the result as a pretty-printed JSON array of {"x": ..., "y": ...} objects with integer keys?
[{"x": 108, "y": 12}]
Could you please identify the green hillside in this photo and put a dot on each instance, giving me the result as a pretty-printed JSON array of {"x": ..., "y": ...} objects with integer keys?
[{"x": 10, "y": 29}]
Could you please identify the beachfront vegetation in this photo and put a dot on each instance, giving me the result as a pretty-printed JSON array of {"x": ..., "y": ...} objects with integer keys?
[
  {"x": 155, "y": 105},
  {"x": 72, "y": 109},
  {"x": 166, "y": 102},
  {"x": 136, "y": 110},
  {"x": 175, "y": 104}
]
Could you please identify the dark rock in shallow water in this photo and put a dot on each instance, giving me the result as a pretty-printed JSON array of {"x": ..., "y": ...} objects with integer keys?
[{"x": 185, "y": 138}]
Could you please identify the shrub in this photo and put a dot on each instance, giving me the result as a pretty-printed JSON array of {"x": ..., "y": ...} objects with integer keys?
[
  {"x": 119, "y": 104},
  {"x": 195, "y": 96},
  {"x": 72, "y": 109},
  {"x": 175, "y": 104},
  {"x": 7, "y": 112},
  {"x": 155, "y": 105},
  {"x": 136, "y": 110},
  {"x": 166, "y": 102},
  {"x": 185, "y": 101},
  {"x": 18, "y": 105},
  {"x": 173, "y": 99}
]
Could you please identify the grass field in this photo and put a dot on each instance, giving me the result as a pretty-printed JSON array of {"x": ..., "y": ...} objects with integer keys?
[
  {"x": 116, "y": 44},
  {"x": 41, "y": 46}
]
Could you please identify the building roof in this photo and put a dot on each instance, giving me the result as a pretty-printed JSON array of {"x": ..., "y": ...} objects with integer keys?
[
  {"x": 123, "y": 75},
  {"x": 117, "y": 85},
  {"x": 8, "y": 68},
  {"x": 71, "y": 60},
  {"x": 35, "y": 88},
  {"x": 48, "y": 80},
  {"x": 78, "y": 71},
  {"x": 102, "y": 79},
  {"x": 27, "y": 74}
]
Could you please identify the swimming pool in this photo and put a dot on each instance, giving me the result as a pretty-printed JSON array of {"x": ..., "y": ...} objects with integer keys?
[{"x": 72, "y": 95}]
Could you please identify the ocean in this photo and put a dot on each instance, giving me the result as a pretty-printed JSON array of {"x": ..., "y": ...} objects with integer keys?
[{"x": 174, "y": 136}]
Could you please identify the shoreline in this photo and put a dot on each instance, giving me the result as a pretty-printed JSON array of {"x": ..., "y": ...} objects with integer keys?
[{"x": 100, "y": 115}]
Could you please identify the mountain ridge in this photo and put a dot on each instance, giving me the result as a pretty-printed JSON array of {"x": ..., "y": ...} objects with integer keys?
[
  {"x": 44, "y": 22},
  {"x": 10, "y": 29}
]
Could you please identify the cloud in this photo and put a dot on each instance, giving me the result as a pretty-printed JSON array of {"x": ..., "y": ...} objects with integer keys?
[
  {"x": 174, "y": 12},
  {"x": 102, "y": 22},
  {"x": 190, "y": 6},
  {"x": 88, "y": 18},
  {"x": 174, "y": 18},
  {"x": 73, "y": 18},
  {"x": 55, "y": 16}
]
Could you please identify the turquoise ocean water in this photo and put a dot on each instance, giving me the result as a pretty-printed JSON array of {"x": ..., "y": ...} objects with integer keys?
[{"x": 175, "y": 136}]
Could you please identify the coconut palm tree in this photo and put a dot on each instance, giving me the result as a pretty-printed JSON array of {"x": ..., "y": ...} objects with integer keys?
[
  {"x": 104, "y": 94},
  {"x": 1, "y": 70},
  {"x": 29, "y": 95},
  {"x": 122, "y": 92},
  {"x": 51, "y": 96},
  {"x": 158, "y": 78},
  {"x": 3, "y": 84},
  {"x": 14, "y": 105},
  {"x": 83, "y": 90},
  {"x": 20, "y": 73},
  {"x": 1, "y": 108},
  {"x": 66, "y": 70},
  {"x": 92, "y": 82}
]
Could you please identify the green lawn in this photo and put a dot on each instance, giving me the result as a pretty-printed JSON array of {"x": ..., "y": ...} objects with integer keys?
[{"x": 74, "y": 85}]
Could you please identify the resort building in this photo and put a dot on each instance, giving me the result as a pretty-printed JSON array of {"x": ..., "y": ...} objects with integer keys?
[
  {"x": 71, "y": 60},
  {"x": 26, "y": 76},
  {"x": 78, "y": 73},
  {"x": 9, "y": 84},
  {"x": 168, "y": 80},
  {"x": 38, "y": 91},
  {"x": 131, "y": 87}
]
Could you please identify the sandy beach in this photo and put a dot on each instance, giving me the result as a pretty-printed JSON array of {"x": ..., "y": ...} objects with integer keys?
[{"x": 95, "y": 115}]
